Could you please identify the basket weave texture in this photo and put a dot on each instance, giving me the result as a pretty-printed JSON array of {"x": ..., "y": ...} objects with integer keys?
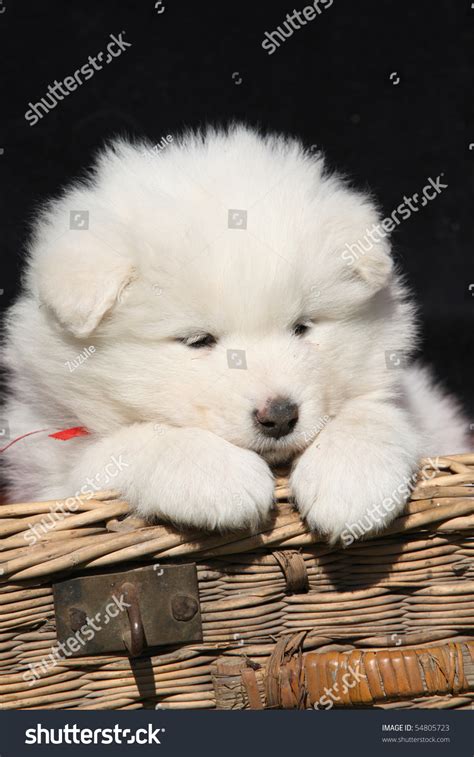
[{"x": 285, "y": 616}]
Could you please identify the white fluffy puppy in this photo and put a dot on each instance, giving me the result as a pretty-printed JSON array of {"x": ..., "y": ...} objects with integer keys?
[{"x": 223, "y": 328}]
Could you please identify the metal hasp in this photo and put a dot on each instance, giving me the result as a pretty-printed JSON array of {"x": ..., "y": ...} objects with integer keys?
[{"x": 131, "y": 610}]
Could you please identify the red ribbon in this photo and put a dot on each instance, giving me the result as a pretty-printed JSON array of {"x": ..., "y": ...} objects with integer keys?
[
  {"x": 70, "y": 433},
  {"x": 64, "y": 435}
]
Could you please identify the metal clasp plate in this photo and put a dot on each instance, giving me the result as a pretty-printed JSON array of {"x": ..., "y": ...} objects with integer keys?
[{"x": 131, "y": 610}]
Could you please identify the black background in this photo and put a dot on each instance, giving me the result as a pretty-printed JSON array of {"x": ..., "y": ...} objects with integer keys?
[{"x": 330, "y": 84}]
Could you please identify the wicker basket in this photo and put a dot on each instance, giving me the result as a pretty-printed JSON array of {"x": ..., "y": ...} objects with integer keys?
[{"x": 281, "y": 619}]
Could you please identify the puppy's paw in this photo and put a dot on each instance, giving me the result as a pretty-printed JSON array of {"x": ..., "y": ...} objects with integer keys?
[
  {"x": 345, "y": 495},
  {"x": 200, "y": 480}
]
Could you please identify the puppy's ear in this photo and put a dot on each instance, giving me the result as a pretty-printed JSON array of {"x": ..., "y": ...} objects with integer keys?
[
  {"x": 82, "y": 282},
  {"x": 376, "y": 266},
  {"x": 371, "y": 262}
]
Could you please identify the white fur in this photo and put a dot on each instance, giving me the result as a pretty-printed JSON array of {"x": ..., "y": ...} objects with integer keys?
[{"x": 159, "y": 262}]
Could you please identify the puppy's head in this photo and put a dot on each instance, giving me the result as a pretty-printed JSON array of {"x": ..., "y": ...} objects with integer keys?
[{"x": 225, "y": 282}]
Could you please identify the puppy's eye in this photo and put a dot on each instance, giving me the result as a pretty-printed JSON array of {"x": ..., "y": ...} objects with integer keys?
[
  {"x": 198, "y": 342},
  {"x": 300, "y": 329}
]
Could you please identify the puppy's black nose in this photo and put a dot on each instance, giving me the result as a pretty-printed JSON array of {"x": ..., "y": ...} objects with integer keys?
[{"x": 278, "y": 418}]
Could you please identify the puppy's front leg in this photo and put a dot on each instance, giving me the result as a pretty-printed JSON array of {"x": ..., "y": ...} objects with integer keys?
[
  {"x": 188, "y": 476},
  {"x": 356, "y": 475}
]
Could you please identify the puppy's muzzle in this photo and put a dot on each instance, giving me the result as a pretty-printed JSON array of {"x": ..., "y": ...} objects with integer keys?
[{"x": 278, "y": 417}]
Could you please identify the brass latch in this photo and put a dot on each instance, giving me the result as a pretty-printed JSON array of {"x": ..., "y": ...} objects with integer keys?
[{"x": 131, "y": 611}]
